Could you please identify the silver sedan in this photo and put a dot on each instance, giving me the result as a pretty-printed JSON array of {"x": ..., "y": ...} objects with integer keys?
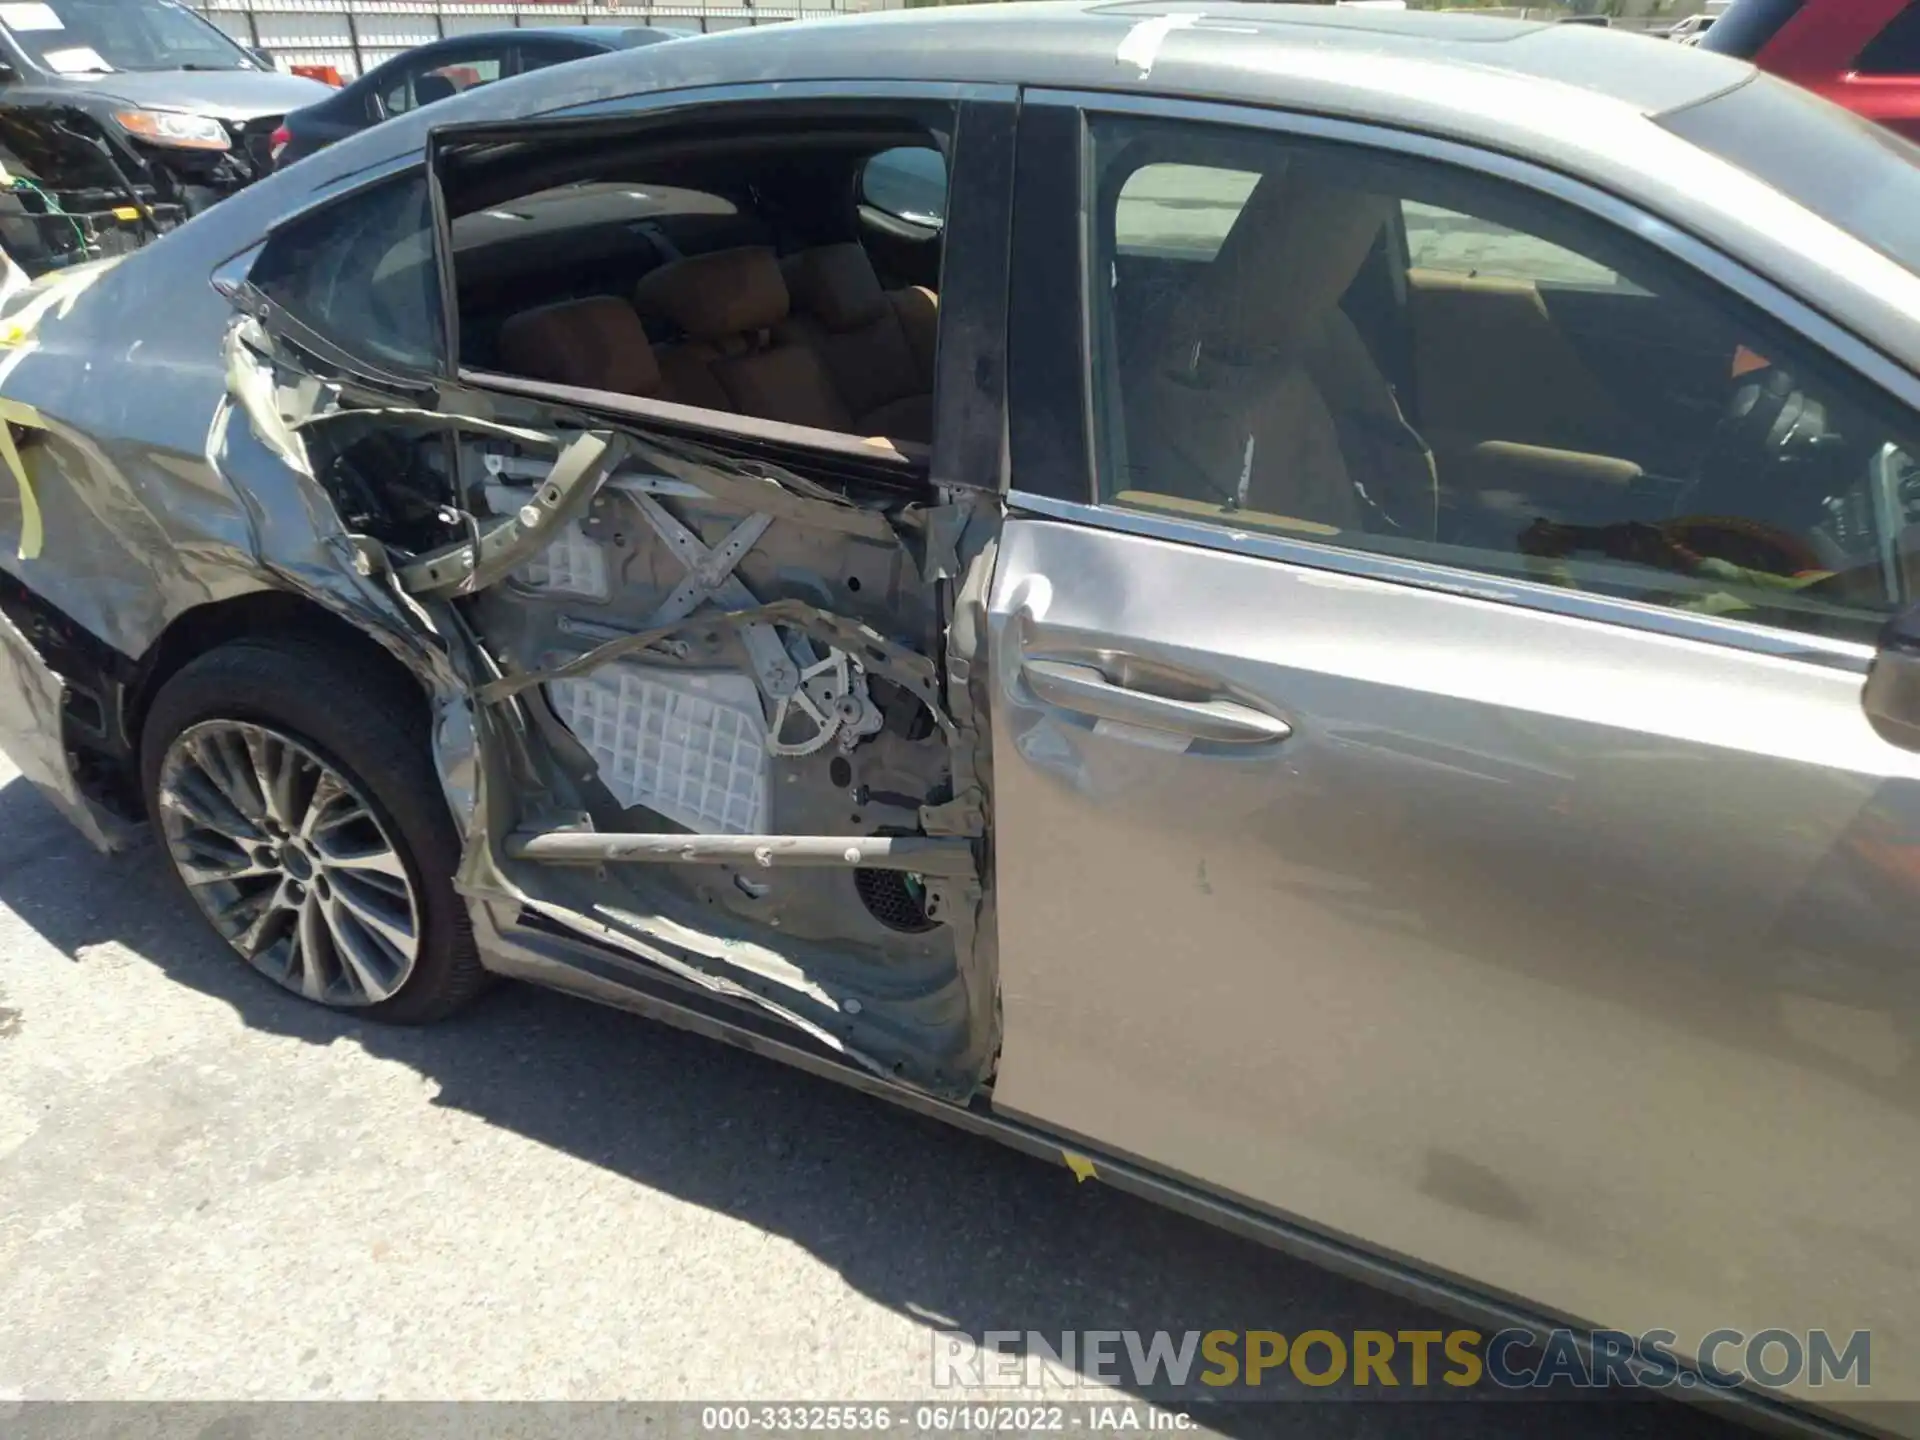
[{"x": 1304, "y": 609}]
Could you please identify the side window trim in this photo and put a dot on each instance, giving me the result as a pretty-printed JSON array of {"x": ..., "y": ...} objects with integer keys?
[
  {"x": 1800, "y": 319},
  {"x": 277, "y": 318},
  {"x": 1468, "y": 584}
]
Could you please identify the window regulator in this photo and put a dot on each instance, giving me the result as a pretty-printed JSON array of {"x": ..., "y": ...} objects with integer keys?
[{"x": 830, "y": 696}]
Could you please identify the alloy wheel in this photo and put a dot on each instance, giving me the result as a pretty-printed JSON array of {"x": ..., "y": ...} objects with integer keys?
[{"x": 290, "y": 863}]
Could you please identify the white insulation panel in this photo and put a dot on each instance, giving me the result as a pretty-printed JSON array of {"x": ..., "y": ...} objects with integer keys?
[{"x": 688, "y": 745}]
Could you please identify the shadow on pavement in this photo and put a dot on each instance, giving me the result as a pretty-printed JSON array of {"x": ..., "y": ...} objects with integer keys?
[{"x": 946, "y": 1227}]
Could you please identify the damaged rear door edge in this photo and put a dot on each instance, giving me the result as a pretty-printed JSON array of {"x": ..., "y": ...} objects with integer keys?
[{"x": 587, "y": 463}]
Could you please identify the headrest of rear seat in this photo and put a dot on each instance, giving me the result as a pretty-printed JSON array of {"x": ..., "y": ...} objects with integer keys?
[
  {"x": 710, "y": 297},
  {"x": 597, "y": 344},
  {"x": 836, "y": 285}
]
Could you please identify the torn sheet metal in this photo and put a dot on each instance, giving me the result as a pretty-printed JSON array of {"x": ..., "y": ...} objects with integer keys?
[
  {"x": 31, "y": 697},
  {"x": 252, "y": 385},
  {"x": 505, "y": 546}
]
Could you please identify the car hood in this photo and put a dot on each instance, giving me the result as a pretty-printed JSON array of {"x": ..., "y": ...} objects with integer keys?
[{"x": 225, "y": 94}]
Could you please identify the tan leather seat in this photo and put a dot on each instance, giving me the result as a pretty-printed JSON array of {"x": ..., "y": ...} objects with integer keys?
[
  {"x": 597, "y": 344},
  {"x": 739, "y": 353},
  {"x": 1264, "y": 396},
  {"x": 877, "y": 345}
]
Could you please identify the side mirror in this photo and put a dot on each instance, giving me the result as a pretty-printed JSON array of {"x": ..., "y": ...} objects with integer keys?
[
  {"x": 7, "y": 72},
  {"x": 265, "y": 56},
  {"x": 1892, "y": 694}
]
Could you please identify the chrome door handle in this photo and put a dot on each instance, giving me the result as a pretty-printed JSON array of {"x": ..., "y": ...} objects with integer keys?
[{"x": 1086, "y": 691}]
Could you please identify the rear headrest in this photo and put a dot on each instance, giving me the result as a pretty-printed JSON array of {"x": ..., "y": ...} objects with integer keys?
[
  {"x": 429, "y": 88},
  {"x": 836, "y": 285},
  {"x": 1292, "y": 253},
  {"x": 709, "y": 297},
  {"x": 596, "y": 343}
]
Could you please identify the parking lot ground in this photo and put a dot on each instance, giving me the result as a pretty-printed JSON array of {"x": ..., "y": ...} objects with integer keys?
[{"x": 211, "y": 1190}]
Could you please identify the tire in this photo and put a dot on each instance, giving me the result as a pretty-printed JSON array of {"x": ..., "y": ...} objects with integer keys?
[{"x": 387, "y": 941}]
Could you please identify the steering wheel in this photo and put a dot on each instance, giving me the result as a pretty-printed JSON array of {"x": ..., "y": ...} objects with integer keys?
[{"x": 1765, "y": 412}]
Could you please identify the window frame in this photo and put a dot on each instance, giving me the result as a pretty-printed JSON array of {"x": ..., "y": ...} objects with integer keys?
[
  {"x": 1043, "y": 487},
  {"x": 413, "y": 67},
  {"x": 335, "y": 353},
  {"x": 970, "y": 363}
]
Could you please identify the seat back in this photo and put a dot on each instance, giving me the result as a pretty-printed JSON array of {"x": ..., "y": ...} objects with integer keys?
[
  {"x": 597, "y": 343},
  {"x": 738, "y": 354},
  {"x": 433, "y": 87},
  {"x": 1245, "y": 401},
  {"x": 877, "y": 346}
]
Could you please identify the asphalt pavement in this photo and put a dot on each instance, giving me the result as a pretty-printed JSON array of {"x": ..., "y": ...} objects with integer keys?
[{"x": 210, "y": 1190}]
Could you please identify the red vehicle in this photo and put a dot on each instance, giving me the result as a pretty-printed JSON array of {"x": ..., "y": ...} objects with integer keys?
[{"x": 1863, "y": 54}]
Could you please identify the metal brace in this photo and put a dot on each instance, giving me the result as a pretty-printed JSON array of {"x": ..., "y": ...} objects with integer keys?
[
  {"x": 491, "y": 553},
  {"x": 830, "y": 693},
  {"x": 833, "y": 695},
  {"x": 710, "y": 580}
]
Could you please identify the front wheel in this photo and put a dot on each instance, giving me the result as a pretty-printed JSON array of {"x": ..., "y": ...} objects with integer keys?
[{"x": 300, "y": 811}]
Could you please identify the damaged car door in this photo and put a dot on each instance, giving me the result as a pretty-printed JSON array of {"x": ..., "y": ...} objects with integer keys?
[{"x": 711, "y": 731}]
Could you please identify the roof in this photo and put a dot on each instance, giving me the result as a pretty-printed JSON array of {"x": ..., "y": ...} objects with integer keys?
[
  {"x": 1059, "y": 43},
  {"x": 1257, "y": 53}
]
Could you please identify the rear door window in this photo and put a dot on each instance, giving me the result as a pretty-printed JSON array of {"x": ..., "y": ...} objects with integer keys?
[{"x": 443, "y": 76}]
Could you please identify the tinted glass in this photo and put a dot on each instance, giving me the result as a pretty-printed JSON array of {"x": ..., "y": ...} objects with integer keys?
[
  {"x": 1896, "y": 49},
  {"x": 448, "y": 77},
  {"x": 1748, "y": 26},
  {"x": 1573, "y": 409},
  {"x": 362, "y": 274},
  {"x": 1444, "y": 240},
  {"x": 554, "y": 52},
  {"x": 1179, "y": 210},
  {"x": 909, "y": 182}
]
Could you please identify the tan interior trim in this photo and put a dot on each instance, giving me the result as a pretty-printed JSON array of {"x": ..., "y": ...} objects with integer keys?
[
  {"x": 907, "y": 455},
  {"x": 1220, "y": 514}
]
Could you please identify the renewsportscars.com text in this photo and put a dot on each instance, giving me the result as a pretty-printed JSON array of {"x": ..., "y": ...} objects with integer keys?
[{"x": 1513, "y": 1359}]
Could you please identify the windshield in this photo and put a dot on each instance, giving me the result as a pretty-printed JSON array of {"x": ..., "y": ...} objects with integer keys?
[{"x": 81, "y": 37}]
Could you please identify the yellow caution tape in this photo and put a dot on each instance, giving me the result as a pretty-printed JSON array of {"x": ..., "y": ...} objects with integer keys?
[
  {"x": 1081, "y": 1166},
  {"x": 32, "y": 532}
]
